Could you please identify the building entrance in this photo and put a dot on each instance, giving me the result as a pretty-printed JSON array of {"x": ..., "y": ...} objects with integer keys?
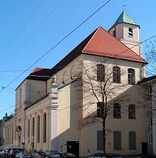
[
  {"x": 73, "y": 147},
  {"x": 144, "y": 148}
]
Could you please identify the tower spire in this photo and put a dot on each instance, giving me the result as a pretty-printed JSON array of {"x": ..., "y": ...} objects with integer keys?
[{"x": 127, "y": 31}]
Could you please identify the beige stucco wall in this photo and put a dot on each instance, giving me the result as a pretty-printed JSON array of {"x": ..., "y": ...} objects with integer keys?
[
  {"x": 124, "y": 124},
  {"x": 122, "y": 32},
  {"x": 28, "y": 93},
  {"x": 37, "y": 89},
  {"x": 68, "y": 73},
  {"x": 34, "y": 111},
  {"x": 68, "y": 104},
  {"x": 90, "y": 63},
  {"x": 68, "y": 116},
  {"x": 135, "y": 46},
  {"x": 9, "y": 129},
  {"x": 68, "y": 119}
]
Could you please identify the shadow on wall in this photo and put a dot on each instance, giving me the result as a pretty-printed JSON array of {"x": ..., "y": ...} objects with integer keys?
[{"x": 82, "y": 140}]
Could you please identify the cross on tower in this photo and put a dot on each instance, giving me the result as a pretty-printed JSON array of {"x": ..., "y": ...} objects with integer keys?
[{"x": 124, "y": 6}]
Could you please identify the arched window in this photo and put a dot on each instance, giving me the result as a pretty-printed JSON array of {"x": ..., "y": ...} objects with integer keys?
[
  {"x": 28, "y": 130},
  {"x": 44, "y": 127},
  {"x": 130, "y": 32},
  {"x": 33, "y": 127},
  {"x": 100, "y": 72},
  {"x": 131, "y": 76},
  {"x": 38, "y": 129},
  {"x": 116, "y": 74}
]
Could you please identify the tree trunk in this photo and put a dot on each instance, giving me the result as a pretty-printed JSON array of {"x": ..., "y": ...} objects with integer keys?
[{"x": 104, "y": 135}]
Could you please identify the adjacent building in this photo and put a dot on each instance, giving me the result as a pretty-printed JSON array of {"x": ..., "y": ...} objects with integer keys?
[
  {"x": 53, "y": 106},
  {"x": 149, "y": 85},
  {"x": 1, "y": 133}
]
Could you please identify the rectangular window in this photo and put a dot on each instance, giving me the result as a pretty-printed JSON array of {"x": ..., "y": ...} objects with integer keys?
[
  {"x": 130, "y": 32},
  {"x": 116, "y": 111},
  {"x": 131, "y": 111},
  {"x": 100, "y": 72},
  {"x": 99, "y": 109},
  {"x": 132, "y": 140},
  {"x": 131, "y": 76},
  {"x": 117, "y": 140},
  {"x": 116, "y": 74},
  {"x": 99, "y": 140}
]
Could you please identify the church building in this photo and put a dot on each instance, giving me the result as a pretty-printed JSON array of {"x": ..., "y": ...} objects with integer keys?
[{"x": 62, "y": 108}]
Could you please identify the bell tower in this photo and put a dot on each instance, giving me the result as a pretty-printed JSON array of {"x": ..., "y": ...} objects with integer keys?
[{"x": 127, "y": 31}]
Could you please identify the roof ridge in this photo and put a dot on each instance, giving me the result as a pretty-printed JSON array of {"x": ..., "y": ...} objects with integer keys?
[
  {"x": 124, "y": 47},
  {"x": 91, "y": 38}
]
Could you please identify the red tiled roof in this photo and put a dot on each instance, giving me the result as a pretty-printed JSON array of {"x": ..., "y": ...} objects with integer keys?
[
  {"x": 72, "y": 55},
  {"x": 37, "y": 69},
  {"x": 40, "y": 74},
  {"x": 104, "y": 44},
  {"x": 99, "y": 43}
]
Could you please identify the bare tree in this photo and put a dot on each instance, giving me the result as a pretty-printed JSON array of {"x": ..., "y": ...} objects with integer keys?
[
  {"x": 150, "y": 55},
  {"x": 102, "y": 87}
]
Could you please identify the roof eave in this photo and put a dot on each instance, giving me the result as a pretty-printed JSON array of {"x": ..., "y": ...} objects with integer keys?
[
  {"x": 113, "y": 57},
  {"x": 123, "y": 23}
]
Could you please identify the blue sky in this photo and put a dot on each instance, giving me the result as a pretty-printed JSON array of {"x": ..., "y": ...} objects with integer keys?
[{"x": 29, "y": 28}]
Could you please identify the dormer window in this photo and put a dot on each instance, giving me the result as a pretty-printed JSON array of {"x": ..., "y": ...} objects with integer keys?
[{"x": 130, "y": 32}]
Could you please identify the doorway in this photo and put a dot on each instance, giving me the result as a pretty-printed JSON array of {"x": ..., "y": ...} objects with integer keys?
[
  {"x": 73, "y": 147},
  {"x": 144, "y": 148}
]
